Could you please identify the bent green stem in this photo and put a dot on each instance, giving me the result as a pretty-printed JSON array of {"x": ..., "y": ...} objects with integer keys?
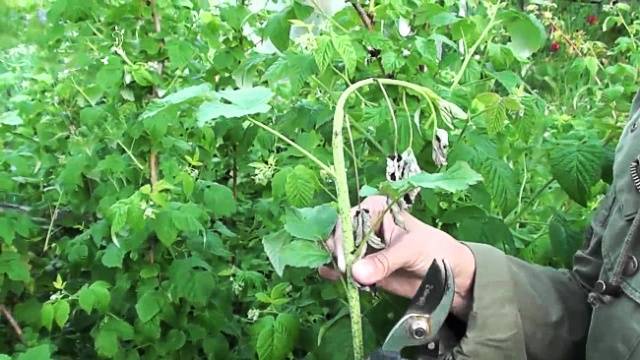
[{"x": 344, "y": 205}]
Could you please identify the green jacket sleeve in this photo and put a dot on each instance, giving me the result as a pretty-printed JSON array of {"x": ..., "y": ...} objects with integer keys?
[
  {"x": 526, "y": 311},
  {"x": 523, "y": 311}
]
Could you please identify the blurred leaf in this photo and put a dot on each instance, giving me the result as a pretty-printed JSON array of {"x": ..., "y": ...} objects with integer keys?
[
  {"x": 239, "y": 103},
  {"x": 300, "y": 253},
  {"x": 148, "y": 305},
  {"x": 300, "y": 186},
  {"x": 457, "y": 178},
  {"x": 11, "y": 118},
  {"x": 527, "y": 33},
  {"x": 311, "y": 223},
  {"x": 576, "y": 167},
  {"x": 219, "y": 200},
  {"x": 273, "y": 245},
  {"x": 277, "y": 339},
  {"x": 180, "y": 96},
  {"x": 61, "y": 310},
  {"x": 40, "y": 352}
]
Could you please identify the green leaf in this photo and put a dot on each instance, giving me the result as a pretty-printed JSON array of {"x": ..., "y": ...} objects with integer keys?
[
  {"x": 294, "y": 67},
  {"x": 392, "y": 61},
  {"x": 11, "y": 118},
  {"x": 508, "y": 79},
  {"x": 148, "y": 305},
  {"x": 180, "y": 53},
  {"x": 40, "y": 352},
  {"x": 190, "y": 282},
  {"x": 528, "y": 35},
  {"x": 278, "y": 28},
  {"x": 178, "y": 97},
  {"x": 86, "y": 299},
  {"x": 188, "y": 184},
  {"x": 279, "y": 181},
  {"x": 338, "y": 336},
  {"x": 119, "y": 212},
  {"x": 61, "y": 310},
  {"x": 347, "y": 52},
  {"x": 112, "y": 257},
  {"x": 109, "y": 77},
  {"x": 11, "y": 263},
  {"x": 141, "y": 75},
  {"x": 7, "y": 231},
  {"x": 300, "y": 186},
  {"x": 277, "y": 340},
  {"x": 576, "y": 167},
  {"x": 106, "y": 343},
  {"x": 324, "y": 52},
  {"x": 174, "y": 340},
  {"x": 487, "y": 230},
  {"x": 273, "y": 245},
  {"x": 501, "y": 183},
  {"x": 219, "y": 200},
  {"x": 46, "y": 315},
  {"x": 565, "y": 240},
  {"x": 123, "y": 329},
  {"x": 457, "y": 178},
  {"x": 492, "y": 109},
  {"x": 240, "y": 103},
  {"x": 301, "y": 253},
  {"x": 311, "y": 223},
  {"x": 102, "y": 295},
  {"x": 71, "y": 175},
  {"x": 164, "y": 227},
  {"x": 186, "y": 217}
]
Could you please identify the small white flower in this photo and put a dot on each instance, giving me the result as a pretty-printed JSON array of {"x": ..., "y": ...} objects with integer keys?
[
  {"x": 403, "y": 27},
  {"x": 406, "y": 52},
  {"x": 193, "y": 172},
  {"x": 149, "y": 213},
  {"x": 253, "y": 314},
  {"x": 237, "y": 286},
  {"x": 264, "y": 171},
  {"x": 105, "y": 60}
]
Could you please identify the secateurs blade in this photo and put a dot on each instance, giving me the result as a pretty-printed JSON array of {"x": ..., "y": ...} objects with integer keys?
[{"x": 421, "y": 324}]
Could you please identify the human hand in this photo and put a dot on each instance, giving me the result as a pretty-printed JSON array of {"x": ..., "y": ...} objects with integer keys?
[{"x": 401, "y": 266}]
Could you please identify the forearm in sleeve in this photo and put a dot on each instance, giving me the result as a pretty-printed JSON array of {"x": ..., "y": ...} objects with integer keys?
[{"x": 523, "y": 311}]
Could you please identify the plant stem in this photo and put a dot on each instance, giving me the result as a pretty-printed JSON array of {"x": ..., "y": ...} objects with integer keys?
[
  {"x": 469, "y": 55},
  {"x": 530, "y": 203},
  {"x": 311, "y": 157},
  {"x": 135, "y": 161},
  {"x": 368, "y": 136},
  {"x": 53, "y": 219},
  {"x": 12, "y": 321},
  {"x": 344, "y": 205},
  {"x": 366, "y": 19},
  {"x": 393, "y": 118}
]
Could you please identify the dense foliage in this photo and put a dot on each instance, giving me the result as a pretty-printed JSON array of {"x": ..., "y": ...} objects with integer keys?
[{"x": 144, "y": 213}]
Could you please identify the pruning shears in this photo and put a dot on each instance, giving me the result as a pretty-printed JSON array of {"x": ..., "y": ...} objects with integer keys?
[{"x": 421, "y": 324}]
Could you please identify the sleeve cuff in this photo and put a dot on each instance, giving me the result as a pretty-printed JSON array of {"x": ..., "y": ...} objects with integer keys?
[{"x": 494, "y": 329}]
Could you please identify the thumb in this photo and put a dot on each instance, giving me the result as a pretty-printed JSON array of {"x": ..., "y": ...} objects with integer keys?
[{"x": 379, "y": 265}]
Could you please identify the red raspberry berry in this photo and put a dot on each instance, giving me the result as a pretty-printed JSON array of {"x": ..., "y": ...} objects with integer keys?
[
  {"x": 554, "y": 47},
  {"x": 592, "y": 19}
]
